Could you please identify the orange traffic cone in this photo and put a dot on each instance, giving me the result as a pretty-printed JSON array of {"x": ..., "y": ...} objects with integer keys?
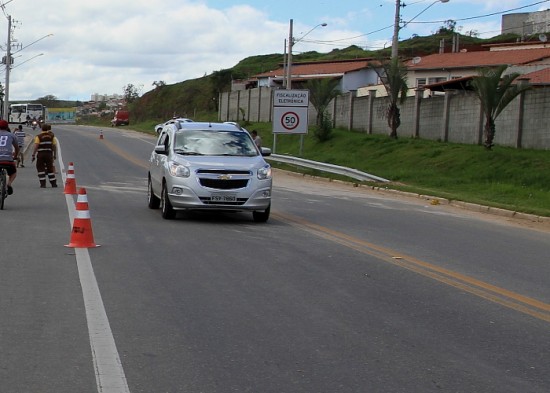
[
  {"x": 70, "y": 181},
  {"x": 82, "y": 235}
]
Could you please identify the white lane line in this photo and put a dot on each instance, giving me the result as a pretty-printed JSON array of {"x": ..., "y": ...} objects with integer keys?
[
  {"x": 109, "y": 373},
  {"x": 108, "y": 369}
]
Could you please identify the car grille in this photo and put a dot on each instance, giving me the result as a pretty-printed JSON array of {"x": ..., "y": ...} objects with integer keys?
[
  {"x": 223, "y": 179},
  {"x": 221, "y": 184},
  {"x": 222, "y": 172}
]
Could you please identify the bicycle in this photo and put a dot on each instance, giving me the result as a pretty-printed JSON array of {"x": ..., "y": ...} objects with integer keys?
[
  {"x": 3, "y": 186},
  {"x": 19, "y": 159}
]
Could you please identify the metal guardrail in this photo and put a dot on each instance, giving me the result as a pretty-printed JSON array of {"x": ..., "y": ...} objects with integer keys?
[{"x": 321, "y": 166}]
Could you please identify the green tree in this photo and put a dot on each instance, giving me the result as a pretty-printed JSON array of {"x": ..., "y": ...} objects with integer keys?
[
  {"x": 393, "y": 75},
  {"x": 159, "y": 84},
  {"x": 131, "y": 93},
  {"x": 101, "y": 106},
  {"x": 49, "y": 101},
  {"x": 321, "y": 93},
  {"x": 449, "y": 26},
  {"x": 495, "y": 91}
]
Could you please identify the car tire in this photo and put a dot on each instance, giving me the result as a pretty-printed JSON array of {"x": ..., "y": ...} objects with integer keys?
[
  {"x": 152, "y": 200},
  {"x": 167, "y": 210},
  {"x": 261, "y": 216}
]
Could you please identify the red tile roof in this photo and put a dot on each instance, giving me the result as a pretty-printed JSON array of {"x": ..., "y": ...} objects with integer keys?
[
  {"x": 338, "y": 67},
  {"x": 541, "y": 77},
  {"x": 479, "y": 59}
]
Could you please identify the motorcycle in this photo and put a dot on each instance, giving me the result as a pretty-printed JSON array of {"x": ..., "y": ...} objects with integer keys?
[{"x": 34, "y": 124}]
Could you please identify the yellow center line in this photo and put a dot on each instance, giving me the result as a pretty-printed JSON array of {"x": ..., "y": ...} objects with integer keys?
[
  {"x": 466, "y": 283},
  {"x": 137, "y": 161}
]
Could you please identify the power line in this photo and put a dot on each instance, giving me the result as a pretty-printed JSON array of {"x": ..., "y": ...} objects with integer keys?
[
  {"x": 487, "y": 15},
  {"x": 433, "y": 22}
]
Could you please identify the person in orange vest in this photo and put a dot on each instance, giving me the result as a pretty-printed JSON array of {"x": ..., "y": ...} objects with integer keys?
[{"x": 45, "y": 152}]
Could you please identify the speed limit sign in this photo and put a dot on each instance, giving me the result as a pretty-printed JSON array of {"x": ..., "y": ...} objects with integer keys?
[
  {"x": 293, "y": 121},
  {"x": 290, "y": 120}
]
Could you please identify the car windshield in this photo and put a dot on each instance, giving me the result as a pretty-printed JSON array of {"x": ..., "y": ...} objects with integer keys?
[{"x": 214, "y": 143}]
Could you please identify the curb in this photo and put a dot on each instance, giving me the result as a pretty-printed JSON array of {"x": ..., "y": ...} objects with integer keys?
[{"x": 438, "y": 200}]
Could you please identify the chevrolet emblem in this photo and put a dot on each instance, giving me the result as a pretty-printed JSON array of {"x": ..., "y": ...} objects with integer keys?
[{"x": 224, "y": 177}]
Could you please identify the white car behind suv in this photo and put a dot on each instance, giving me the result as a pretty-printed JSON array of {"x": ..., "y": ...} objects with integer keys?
[
  {"x": 205, "y": 166},
  {"x": 159, "y": 127}
]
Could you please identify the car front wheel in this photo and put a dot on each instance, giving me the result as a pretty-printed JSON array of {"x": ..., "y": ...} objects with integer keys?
[
  {"x": 261, "y": 216},
  {"x": 168, "y": 211},
  {"x": 152, "y": 200}
]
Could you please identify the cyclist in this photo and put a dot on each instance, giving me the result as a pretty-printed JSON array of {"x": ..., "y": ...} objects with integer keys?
[
  {"x": 9, "y": 150},
  {"x": 20, "y": 134}
]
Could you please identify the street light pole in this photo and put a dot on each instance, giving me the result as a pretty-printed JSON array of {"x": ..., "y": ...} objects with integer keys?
[
  {"x": 288, "y": 70},
  {"x": 291, "y": 42},
  {"x": 9, "y": 62},
  {"x": 32, "y": 58}
]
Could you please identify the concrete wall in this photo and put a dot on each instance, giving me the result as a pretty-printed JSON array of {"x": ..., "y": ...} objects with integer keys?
[{"x": 453, "y": 117}]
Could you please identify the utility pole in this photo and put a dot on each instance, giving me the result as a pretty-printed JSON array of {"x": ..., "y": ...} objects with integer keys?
[
  {"x": 395, "y": 39},
  {"x": 289, "y": 57},
  {"x": 397, "y": 20},
  {"x": 7, "y": 62}
]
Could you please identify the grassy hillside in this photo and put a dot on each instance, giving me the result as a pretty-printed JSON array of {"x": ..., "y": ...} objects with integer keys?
[{"x": 197, "y": 98}]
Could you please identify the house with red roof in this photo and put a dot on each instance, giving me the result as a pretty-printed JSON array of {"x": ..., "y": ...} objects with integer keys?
[
  {"x": 451, "y": 70},
  {"x": 436, "y": 72},
  {"x": 352, "y": 74}
]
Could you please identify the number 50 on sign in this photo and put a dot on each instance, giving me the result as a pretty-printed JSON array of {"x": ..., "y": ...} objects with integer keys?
[{"x": 290, "y": 120}]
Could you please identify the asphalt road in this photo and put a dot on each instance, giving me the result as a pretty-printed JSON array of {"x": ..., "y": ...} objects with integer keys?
[{"x": 343, "y": 290}]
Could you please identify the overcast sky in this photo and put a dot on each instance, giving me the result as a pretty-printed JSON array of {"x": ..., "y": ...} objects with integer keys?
[{"x": 74, "y": 48}]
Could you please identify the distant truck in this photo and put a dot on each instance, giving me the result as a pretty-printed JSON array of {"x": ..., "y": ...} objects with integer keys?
[{"x": 122, "y": 118}]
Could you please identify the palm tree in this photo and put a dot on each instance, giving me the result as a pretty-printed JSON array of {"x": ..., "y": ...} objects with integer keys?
[
  {"x": 393, "y": 75},
  {"x": 321, "y": 93},
  {"x": 495, "y": 91}
]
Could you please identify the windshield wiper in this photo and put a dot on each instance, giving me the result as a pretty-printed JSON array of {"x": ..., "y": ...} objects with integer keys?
[{"x": 187, "y": 153}]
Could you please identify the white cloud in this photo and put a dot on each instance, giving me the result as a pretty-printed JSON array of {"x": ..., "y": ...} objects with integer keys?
[
  {"x": 105, "y": 45},
  {"x": 100, "y": 46}
]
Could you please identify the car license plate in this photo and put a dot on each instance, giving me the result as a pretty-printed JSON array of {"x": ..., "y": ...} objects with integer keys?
[{"x": 223, "y": 198}]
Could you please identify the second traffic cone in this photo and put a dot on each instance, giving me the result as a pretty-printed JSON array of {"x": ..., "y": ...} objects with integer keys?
[
  {"x": 82, "y": 235},
  {"x": 70, "y": 181}
]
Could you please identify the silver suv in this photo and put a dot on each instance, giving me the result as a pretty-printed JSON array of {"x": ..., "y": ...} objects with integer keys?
[{"x": 205, "y": 166}]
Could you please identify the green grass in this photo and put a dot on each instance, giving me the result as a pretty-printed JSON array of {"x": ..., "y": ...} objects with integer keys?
[{"x": 509, "y": 178}]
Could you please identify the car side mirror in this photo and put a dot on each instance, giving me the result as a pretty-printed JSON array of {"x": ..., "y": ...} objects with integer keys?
[
  {"x": 265, "y": 151},
  {"x": 161, "y": 149}
]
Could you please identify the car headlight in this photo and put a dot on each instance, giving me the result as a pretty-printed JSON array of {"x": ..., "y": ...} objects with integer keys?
[
  {"x": 178, "y": 170},
  {"x": 264, "y": 173}
]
